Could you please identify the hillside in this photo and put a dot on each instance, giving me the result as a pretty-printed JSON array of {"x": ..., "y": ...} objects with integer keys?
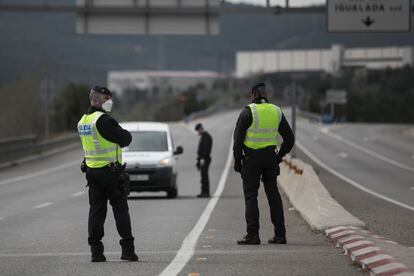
[{"x": 29, "y": 40}]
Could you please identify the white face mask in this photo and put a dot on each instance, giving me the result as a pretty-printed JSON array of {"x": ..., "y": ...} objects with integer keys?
[{"x": 107, "y": 106}]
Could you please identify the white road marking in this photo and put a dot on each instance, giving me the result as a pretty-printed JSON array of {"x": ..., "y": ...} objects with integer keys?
[
  {"x": 186, "y": 252},
  {"x": 1, "y": 218},
  {"x": 370, "y": 152},
  {"x": 412, "y": 156},
  {"x": 412, "y": 188},
  {"x": 350, "y": 181},
  {"x": 78, "y": 194},
  {"x": 315, "y": 138},
  {"x": 343, "y": 155},
  {"x": 39, "y": 173},
  {"x": 43, "y": 205}
]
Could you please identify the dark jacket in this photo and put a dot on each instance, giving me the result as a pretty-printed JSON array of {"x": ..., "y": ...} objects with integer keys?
[
  {"x": 109, "y": 129},
  {"x": 243, "y": 123},
  {"x": 204, "y": 146}
]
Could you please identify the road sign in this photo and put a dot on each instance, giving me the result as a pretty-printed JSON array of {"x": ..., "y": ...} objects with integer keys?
[
  {"x": 368, "y": 15},
  {"x": 190, "y": 17},
  {"x": 336, "y": 96}
]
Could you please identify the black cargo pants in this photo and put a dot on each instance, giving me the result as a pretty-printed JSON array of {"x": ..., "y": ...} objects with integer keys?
[
  {"x": 262, "y": 165},
  {"x": 103, "y": 186},
  {"x": 205, "y": 182}
]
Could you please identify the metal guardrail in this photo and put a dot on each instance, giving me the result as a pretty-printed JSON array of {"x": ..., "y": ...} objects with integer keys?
[
  {"x": 17, "y": 148},
  {"x": 309, "y": 115}
]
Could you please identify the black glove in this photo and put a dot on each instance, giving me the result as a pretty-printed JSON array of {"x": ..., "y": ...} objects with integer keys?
[
  {"x": 279, "y": 159},
  {"x": 238, "y": 164},
  {"x": 83, "y": 166},
  {"x": 198, "y": 166}
]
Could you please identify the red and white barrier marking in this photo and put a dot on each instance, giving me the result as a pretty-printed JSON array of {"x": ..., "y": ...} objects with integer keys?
[{"x": 364, "y": 252}]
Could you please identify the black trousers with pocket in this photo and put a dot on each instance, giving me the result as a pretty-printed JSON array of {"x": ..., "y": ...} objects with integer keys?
[
  {"x": 262, "y": 165},
  {"x": 103, "y": 187},
  {"x": 205, "y": 182}
]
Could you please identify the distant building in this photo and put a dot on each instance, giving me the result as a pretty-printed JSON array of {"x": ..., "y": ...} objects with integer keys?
[
  {"x": 325, "y": 60},
  {"x": 175, "y": 81}
]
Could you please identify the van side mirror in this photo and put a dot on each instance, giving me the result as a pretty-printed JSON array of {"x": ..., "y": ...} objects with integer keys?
[{"x": 178, "y": 150}]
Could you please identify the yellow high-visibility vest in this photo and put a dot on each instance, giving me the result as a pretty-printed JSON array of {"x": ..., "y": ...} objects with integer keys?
[
  {"x": 264, "y": 130},
  {"x": 99, "y": 152}
]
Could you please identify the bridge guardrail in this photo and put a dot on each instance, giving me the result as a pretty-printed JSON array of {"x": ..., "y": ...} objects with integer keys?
[{"x": 14, "y": 149}]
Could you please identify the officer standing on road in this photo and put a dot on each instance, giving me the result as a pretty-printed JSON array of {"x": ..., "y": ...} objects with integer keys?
[
  {"x": 256, "y": 158},
  {"x": 204, "y": 159},
  {"x": 102, "y": 140}
]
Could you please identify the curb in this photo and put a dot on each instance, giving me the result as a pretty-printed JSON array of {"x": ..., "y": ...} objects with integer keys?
[
  {"x": 364, "y": 252},
  {"x": 310, "y": 197}
]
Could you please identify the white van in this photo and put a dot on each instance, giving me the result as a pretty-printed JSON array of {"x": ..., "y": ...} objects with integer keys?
[{"x": 150, "y": 158}]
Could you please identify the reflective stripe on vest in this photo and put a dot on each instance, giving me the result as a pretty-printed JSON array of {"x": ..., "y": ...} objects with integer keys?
[
  {"x": 99, "y": 152},
  {"x": 264, "y": 130}
]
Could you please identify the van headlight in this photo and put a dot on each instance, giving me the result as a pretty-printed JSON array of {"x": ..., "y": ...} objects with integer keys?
[{"x": 165, "y": 162}]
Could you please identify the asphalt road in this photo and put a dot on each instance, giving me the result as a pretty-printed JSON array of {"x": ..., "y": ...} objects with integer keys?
[
  {"x": 43, "y": 222},
  {"x": 376, "y": 157}
]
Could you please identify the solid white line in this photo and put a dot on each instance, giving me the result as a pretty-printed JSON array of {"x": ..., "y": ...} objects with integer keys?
[
  {"x": 370, "y": 152},
  {"x": 186, "y": 252},
  {"x": 78, "y": 194},
  {"x": 350, "y": 181},
  {"x": 39, "y": 173},
  {"x": 412, "y": 188},
  {"x": 43, "y": 205},
  {"x": 1, "y": 218}
]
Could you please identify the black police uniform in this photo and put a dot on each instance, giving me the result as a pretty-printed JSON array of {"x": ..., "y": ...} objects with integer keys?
[
  {"x": 204, "y": 152},
  {"x": 256, "y": 165},
  {"x": 103, "y": 186}
]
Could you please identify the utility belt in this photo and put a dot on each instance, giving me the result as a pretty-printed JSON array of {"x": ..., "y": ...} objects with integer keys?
[
  {"x": 249, "y": 151},
  {"x": 118, "y": 169}
]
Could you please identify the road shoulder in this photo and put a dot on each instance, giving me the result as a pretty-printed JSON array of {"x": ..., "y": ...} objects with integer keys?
[{"x": 307, "y": 252}]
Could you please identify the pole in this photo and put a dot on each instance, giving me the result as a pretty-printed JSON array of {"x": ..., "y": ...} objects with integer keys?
[
  {"x": 293, "y": 153},
  {"x": 47, "y": 88}
]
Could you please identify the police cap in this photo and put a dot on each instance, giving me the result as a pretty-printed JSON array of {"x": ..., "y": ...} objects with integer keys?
[
  {"x": 102, "y": 90},
  {"x": 259, "y": 88},
  {"x": 198, "y": 126}
]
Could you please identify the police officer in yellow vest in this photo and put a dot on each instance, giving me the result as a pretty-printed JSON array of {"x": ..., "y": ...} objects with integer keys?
[
  {"x": 102, "y": 140},
  {"x": 257, "y": 154}
]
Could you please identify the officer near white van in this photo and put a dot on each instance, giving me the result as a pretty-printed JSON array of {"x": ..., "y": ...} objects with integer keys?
[
  {"x": 102, "y": 141},
  {"x": 257, "y": 154}
]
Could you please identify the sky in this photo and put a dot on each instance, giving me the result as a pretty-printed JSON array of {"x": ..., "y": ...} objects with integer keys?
[{"x": 281, "y": 2}]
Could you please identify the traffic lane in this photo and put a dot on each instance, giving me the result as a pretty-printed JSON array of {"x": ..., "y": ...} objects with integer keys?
[
  {"x": 45, "y": 180},
  {"x": 307, "y": 253},
  {"x": 368, "y": 171},
  {"x": 36, "y": 231},
  {"x": 381, "y": 217},
  {"x": 387, "y": 140}
]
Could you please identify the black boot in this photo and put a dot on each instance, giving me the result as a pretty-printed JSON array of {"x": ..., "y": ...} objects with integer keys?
[
  {"x": 97, "y": 253},
  {"x": 128, "y": 253},
  {"x": 249, "y": 240},
  {"x": 203, "y": 195},
  {"x": 278, "y": 240}
]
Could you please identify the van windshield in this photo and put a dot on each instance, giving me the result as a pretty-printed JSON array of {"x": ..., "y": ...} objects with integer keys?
[{"x": 148, "y": 141}]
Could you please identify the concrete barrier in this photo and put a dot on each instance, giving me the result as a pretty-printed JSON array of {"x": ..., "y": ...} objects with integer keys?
[{"x": 311, "y": 199}]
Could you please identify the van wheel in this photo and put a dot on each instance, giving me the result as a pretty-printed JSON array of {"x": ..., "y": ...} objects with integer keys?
[{"x": 172, "y": 193}]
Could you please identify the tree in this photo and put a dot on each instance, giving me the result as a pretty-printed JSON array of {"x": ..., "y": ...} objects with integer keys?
[{"x": 70, "y": 104}]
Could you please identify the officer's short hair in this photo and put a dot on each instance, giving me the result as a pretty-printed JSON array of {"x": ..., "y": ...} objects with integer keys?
[
  {"x": 260, "y": 89},
  {"x": 198, "y": 126}
]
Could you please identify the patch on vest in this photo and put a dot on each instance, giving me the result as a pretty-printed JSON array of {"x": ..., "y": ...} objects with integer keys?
[{"x": 85, "y": 130}]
